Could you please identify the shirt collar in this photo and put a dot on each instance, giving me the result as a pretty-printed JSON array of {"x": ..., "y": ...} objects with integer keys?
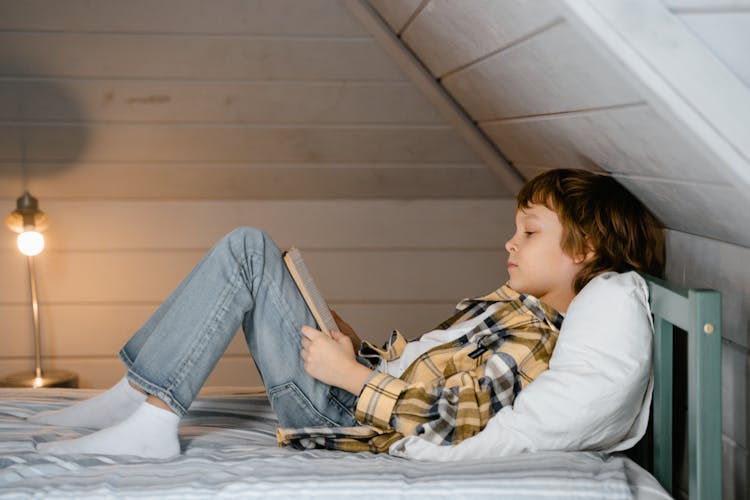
[{"x": 506, "y": 294}]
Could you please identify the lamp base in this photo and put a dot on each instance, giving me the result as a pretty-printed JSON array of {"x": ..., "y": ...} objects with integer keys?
[{"x": 49, "y": 378}]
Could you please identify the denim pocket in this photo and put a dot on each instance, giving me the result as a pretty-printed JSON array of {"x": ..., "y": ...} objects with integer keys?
[{"x": 294, "y": 409}]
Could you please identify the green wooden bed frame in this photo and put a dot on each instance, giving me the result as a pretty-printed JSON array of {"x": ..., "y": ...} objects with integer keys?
[{"x": 697, "y": 312}]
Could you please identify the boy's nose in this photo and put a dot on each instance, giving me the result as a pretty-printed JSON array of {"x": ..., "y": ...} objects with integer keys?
[{"x": 510, "y": 245}]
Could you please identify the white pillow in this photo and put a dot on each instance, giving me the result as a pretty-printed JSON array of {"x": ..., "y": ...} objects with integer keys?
[{"x": 596, "y": 393}]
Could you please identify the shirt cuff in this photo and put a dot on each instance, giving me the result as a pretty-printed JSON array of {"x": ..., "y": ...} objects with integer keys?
[{"x": 378, "y": 398}]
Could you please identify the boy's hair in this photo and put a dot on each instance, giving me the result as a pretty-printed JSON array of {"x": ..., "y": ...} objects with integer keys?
[{"x": 598, "y": 214}]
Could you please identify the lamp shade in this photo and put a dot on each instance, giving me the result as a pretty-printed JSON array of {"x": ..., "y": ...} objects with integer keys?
[{"x": 27, "y": 216}]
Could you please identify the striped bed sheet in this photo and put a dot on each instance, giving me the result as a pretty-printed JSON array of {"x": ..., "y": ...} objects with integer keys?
[{"x": 229, "y": 451}]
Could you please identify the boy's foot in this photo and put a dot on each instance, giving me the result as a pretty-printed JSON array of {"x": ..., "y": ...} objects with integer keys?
[
  {"x": 104, "y": 410},
  {"x": 150, "y": 432}
]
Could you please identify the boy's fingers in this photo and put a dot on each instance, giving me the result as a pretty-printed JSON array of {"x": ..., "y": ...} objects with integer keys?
[
  {"x": 335, "y": 334},
  {"x": 310, "y": 332}
]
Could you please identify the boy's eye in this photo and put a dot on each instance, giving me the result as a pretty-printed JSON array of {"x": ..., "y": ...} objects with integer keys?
[{"x": 529, "y": 233}]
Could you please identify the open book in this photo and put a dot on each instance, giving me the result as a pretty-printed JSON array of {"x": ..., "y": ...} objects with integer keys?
[{"x": 310, "y": 292}]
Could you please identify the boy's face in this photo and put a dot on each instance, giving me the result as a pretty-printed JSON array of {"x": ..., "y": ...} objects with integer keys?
[{"x": 537, "y": 264}]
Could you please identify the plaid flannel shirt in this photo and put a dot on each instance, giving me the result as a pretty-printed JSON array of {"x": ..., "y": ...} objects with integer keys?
[{"x": 450, "y": 392}]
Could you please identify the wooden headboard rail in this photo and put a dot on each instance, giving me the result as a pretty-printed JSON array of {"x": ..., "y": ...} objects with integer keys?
[{"x": 697, "y": 312}]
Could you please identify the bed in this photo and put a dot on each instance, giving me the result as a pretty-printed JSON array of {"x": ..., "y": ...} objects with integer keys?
[{"x": 229, "y": 445}]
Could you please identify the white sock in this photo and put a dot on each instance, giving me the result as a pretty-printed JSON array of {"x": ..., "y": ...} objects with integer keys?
[
  {"x": 150, "y": 432},
  {"x": 104, "y": 410}
]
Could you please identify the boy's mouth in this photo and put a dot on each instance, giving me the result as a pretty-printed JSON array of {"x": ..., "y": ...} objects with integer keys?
[{"x": 512, "y": 265}]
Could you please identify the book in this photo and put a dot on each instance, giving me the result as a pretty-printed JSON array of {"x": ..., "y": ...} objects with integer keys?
[{"x": 313, "y": 298}]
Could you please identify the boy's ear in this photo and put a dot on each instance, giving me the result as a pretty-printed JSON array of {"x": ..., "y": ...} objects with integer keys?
[
  {"x": 584, "y": 258},
  {"x": 587, "y": 257}
]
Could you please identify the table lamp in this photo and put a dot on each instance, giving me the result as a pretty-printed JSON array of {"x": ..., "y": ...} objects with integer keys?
[{"x": 29, "y": 222}]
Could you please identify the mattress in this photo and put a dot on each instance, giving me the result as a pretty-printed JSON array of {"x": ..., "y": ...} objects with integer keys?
[{"x": 229, "y": 450}]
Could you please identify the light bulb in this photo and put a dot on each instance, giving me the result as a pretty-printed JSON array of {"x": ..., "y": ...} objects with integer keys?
[{"x": 30, "y": 243}]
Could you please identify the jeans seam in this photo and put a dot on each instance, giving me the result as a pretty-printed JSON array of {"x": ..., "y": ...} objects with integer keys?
[
  {"x": 340, "y": 404},
  {"x": 123, "y": 355},
  {"x": 154, "y": 390}
]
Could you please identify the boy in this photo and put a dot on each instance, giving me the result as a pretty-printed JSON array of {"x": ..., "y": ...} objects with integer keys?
[{"x": 570, "y": 226}]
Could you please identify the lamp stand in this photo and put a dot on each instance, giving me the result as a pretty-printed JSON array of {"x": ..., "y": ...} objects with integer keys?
[{"x": 38, "y": 378}]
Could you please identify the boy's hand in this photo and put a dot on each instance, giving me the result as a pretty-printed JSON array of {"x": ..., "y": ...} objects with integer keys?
[
  {"x": 331, "y": 360},
  {"x": 347, "y": 330}
]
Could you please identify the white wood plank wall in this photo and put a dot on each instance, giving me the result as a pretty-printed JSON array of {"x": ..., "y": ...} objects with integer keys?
[
  {"x": 256, "y": 93},
  {"x": 149, "y": 129},
  {"x": 381, "y": 264},
  {"x": 702, "y": 262}
]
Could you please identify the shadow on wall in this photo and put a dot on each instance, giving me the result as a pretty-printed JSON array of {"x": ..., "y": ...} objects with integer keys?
[{"x": 42, "y": 128}]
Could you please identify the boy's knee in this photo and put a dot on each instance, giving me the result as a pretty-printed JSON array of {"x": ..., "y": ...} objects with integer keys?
[
  {"x": 249, "y": 238},
  {"x": 245, "y": 233}
]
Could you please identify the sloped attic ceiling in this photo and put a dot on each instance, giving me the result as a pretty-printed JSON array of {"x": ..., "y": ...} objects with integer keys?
[{"x": 632, "y": 87}]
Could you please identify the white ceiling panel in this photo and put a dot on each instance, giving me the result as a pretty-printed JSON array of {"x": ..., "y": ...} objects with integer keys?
[
  {"x": 706, "y": 4},
  {"x": 448, "y": 34},
  {"x": 619, "y": 86},
  {"x": 688, "y": 207},
  {"x": 727, "y": 34},
  {"x": 552, "y": 72},
  {"x": 632, "y": 140}
]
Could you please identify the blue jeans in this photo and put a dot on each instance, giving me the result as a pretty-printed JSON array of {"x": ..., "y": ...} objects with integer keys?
[{"x": 242, "y": 280}]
